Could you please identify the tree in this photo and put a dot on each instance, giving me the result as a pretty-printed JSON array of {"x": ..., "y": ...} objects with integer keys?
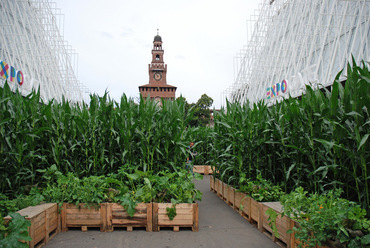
[{"x": 202, "y": 114}]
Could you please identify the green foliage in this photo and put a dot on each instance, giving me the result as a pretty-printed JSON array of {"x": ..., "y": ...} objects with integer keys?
[
  {"x": 319, "y": 142},
  {"x": 326, "y": 219},
  {"x": 126, "y": 187},
  {"x": 201, "y": 114},
  {"x": 171, "y": 212},
  {"x": 86, "y": 139},
  {"x": 260, "y": 189},
  {"x": 272, "y": 221},
  {"x": 15, "y": 232},
  {"x": 203, "y": 138}
]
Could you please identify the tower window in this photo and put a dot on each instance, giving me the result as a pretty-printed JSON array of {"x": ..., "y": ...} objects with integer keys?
[{"x": 157, "y": 57}]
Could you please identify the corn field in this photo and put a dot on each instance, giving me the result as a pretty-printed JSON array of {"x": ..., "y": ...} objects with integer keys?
[
  {"x": 94, "y": 139},
  {"x": 319, "y": 142}
]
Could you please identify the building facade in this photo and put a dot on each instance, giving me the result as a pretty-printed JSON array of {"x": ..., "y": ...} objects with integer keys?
[
  {"x": 33, "y": 53},
  {"x": 157, "y": 88},
  {"x": 297, "y": 42}
]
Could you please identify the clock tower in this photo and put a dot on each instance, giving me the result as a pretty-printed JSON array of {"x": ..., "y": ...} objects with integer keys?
[{"x": 158, "y": 87}]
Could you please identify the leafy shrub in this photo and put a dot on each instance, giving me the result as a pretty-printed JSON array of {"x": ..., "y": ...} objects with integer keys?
[
  {"x": 327, "y": 219},
  {"x": 260, "y": 189},
  {"x": 16, "y": 231},
  {"x": 127, "y": 187}
]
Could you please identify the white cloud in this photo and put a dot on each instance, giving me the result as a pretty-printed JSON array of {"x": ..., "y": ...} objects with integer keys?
[{"x": 114, "y": 41}]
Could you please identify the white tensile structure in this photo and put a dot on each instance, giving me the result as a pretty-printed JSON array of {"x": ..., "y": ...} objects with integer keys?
[
  {"x": 31, "y": 42},
  {"x": 299, "y": 42}
]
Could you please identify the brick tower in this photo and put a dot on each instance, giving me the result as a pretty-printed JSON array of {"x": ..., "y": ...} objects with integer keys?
[{"x": 158, "y": 87}]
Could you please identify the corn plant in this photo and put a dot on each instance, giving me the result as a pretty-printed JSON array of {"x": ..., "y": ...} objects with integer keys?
[
  {"x": 319, "y": 142},
  {"x": 87, "y": 139}
]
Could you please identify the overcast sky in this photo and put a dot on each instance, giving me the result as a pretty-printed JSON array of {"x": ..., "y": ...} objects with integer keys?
[{"x": 114, "y": 39}]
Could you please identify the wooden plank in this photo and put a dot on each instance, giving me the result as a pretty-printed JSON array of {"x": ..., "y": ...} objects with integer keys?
[
  {"x": 196, "y": 218},
  {"x": 254, "y": 210},
  {"x": 149, "y": 219},
  {"x": 63, "y": 216},
  {"x": 231, "y": 196},
  {"x": 212, "y": 183},
  {"x": 109, "y": 217},
  {"x": 155, "y": 217},
  {"x": 245, "y": 210},
  {"x": 225, "y": 191},
  {"x": 118, "y": 216}
]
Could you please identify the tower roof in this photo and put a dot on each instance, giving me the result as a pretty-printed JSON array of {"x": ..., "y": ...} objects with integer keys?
[{"x": 158, "y": 38}]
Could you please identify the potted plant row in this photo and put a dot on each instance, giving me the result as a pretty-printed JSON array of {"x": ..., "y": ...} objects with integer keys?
[
  {"x": 127, "y": 199},
  {"x": 299, "y": 220}
]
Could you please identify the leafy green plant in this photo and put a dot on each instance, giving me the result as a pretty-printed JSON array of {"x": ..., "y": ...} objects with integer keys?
[
  {"x": 260, "y": 189},
  {"x": 319, "y": 141},
  {"x": 128, "y": 187},
  {"x": 15, "y": 233},
  {"x": 326, "y": 219},
  {"x": 171, "y": 212},
  {"x": 86, "y": 139}
]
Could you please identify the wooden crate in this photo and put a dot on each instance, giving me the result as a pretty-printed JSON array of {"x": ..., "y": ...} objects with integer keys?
[
  {"x": 117, "y": 216},
  {"x": 212, "y": 183},
  {"x": 203, "y": 169},
  {"x": 255, "y": 210},
  {"x": 242, "y": 204},
  {"x": 282, "y": 224},
  {"x": 44, "y": 223},
  {"x": 231, "y": 196},
  {"x": 83, "y": 216},
  {"x": 198, "y": 169},
  {"x": 219, "y": 188},
  {"x": 225, "y": 192},
  {"x": 187, "y": 216}
]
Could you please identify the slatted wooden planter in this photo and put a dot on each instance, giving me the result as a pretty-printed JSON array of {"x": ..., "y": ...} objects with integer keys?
[
  {"x": 203, "y": 169},
  {"x": 219, "y": 188},
  {"x": 243, "y": 204},
  {"x": 212, "y": 183},
  {"x": 283, "y": 224},
  {"x": 44, "y": 223},
  {"x": 117, "y": 216},
  {"x": 187, "y": 216},
  {"x": 82, "y": 216},
  {"x": 225, "y": 192},
  {"x": 255, "y": 210},
  {"x": 231, "y": 196}
]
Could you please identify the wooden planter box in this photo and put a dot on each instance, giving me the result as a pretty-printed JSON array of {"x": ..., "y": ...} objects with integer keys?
[
  {"x": 231, "y": 196},
  {"x": 225, "y": 192},
  {"x": 117, "y": 216},
  {"x": 255, "y": 210},
  {"x": 282, "y": 224},
  {"x": 44, "y": 223},
  {"x": 84, "y": 217},
  {"x": 203, "y": 169},
  {"x": 219, "y": 188},
  {"x": 242, "y": 204},
  {"x": 187, "y": 216},
  {"x": 212, "y": 183}
]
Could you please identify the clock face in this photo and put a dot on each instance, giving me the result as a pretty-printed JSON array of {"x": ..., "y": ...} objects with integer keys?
[{"x": 157, "y": 76}]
